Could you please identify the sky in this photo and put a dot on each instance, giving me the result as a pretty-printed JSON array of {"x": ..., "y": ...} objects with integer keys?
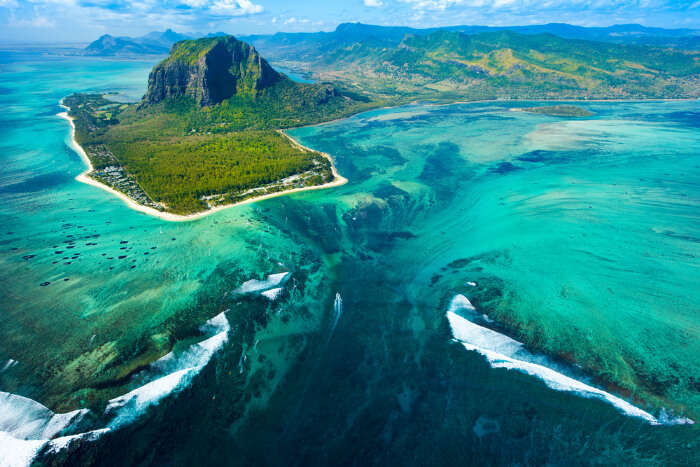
[{"x": 63, "y": 21}]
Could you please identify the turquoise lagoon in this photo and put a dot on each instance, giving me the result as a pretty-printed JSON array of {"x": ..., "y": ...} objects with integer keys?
[{"x": 571, "y": 245}]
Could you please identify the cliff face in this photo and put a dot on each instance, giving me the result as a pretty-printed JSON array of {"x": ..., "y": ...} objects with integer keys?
[{"x": 210, "y": 70}]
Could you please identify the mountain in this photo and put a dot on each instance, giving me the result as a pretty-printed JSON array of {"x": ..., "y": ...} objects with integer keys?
[
  {"x": 304, "y": 46},
  {"x": 450, "y": 64},
  {"x": 205, "y": 133},
  {"x": 239, "y": 88},
  {"x": 210, "y": 70},
  {"x": 108, "y": 45},
  {"x": 618, "y": 34},
  {"x": 289, "y": 46},
  {"x": 153, "y": 43}
]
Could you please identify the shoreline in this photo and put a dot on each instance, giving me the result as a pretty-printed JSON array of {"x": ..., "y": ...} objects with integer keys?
[
  {"x": 338, "y": 179},
  {"x": 491, "y": 101},
  {"x": 84, "y": 177}
]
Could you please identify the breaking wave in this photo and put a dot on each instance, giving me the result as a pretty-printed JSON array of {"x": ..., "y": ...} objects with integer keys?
[
  {"x": 255, "y": 285},
  {"x": 28, "y": 427},
  {"x": 504, "y": 352}
]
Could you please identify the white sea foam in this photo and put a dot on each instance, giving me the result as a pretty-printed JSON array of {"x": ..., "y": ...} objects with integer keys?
[
  {"x": 217, "y": 324},
  {"x": 272, "y": 294},
  {"x": 169, "y": 374},
  {"x": 10, "y": 363},
  {"x": 21, "y": 452},
  {"x": 255, "y": 285},
  {"x": 24, "y": 418},
  {"x": 132, "y": 404},
  {"x": 18, "y": 452},
  {"x": 460, "y": 302},
  {"x": 26, "y": 426},
  {"x": 63, "y": 442},
  {"x": 504, "y": 352}
]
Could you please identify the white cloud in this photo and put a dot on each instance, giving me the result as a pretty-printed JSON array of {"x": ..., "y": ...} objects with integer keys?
[
  {"x": 235, "y": 7},
  {"x": 195, "y": 3},
  {"x": 373, "y": 3},
  {"x": 294, "y": 20}
]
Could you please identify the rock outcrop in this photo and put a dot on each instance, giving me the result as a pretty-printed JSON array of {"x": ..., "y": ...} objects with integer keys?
[{"x": 210, "y": 70}]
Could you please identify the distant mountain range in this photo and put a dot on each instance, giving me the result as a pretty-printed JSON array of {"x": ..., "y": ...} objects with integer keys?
[
  {"x": 620, "y": 34},
  {"x": 304, "y": 46},
  {"x": 153, "y": 43},
  {"x": 274, "y": 46},
  {"x": 501, "y": 64}
]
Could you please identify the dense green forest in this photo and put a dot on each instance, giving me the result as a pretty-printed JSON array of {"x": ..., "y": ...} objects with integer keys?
[{"x": 178, "y": 167}]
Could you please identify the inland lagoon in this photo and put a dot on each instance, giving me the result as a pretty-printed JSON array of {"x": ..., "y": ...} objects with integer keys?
[{"x": 489, "y": 286}]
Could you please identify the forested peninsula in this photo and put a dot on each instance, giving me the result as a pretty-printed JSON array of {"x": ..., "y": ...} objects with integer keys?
[{"x": 206, "y": 134}]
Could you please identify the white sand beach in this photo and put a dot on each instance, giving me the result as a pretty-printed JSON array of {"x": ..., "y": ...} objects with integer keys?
[{"x": 84, "y": 177}]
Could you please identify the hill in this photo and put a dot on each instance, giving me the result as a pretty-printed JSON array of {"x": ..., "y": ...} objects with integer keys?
[
  {"x": 447, "y": 65},
  {"x": 182, "y": 148},
  {"x": 153, "y": 43},
  {"x": 304, "y": 46},
  {"x": 292, "y": 46}
]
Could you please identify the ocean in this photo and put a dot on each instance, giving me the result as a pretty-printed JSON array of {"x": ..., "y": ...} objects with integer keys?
[{"x": 490, "y": 287}]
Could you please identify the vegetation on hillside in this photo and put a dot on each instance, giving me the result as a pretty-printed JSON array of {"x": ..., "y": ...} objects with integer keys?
[{"x": 446, "y": 65}]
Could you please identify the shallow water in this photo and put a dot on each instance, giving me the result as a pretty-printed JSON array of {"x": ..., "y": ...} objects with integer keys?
[{"x": 581, "y": 237}]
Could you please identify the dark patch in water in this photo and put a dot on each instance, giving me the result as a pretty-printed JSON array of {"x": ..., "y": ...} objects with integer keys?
[
  {"x": 504, "y": 168},
  {"x": 536, "y": 156},
  {"x": 459, "y": 263},
  {"x": 38, "y": 183},
  {"x": 388, "y": 190},
  {"x": 444, "y": 169},
  {"x": 389, "y": 153},
  {"x": 689, "y": 238}
]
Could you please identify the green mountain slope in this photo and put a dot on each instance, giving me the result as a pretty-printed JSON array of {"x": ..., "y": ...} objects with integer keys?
[
  {"x": 295, "y": 46},
  {"x": 448, "y": 64}
]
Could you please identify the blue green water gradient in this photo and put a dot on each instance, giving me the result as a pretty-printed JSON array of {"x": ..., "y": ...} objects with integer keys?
[{"x": 580, "y": 238}]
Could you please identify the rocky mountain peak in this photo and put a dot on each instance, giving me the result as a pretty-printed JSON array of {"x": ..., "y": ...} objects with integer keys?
[{"x": 210, "y": 70}]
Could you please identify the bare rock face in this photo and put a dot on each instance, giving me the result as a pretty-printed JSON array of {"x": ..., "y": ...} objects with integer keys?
[{"x": 210, "y": 70}]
